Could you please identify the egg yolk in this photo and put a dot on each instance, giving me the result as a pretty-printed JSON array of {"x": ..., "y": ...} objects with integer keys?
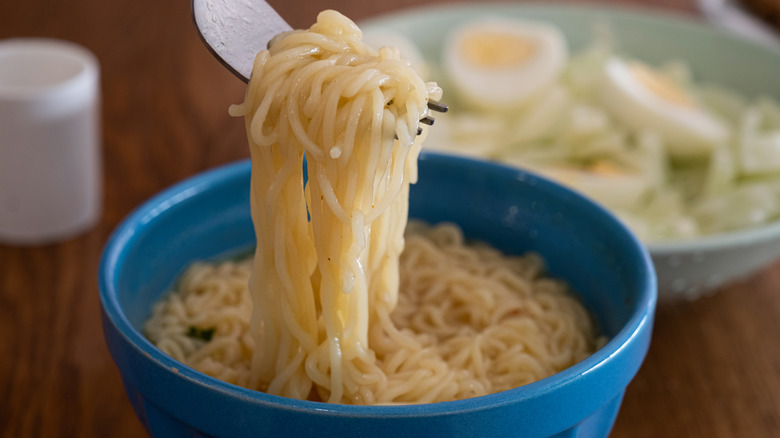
[
  {"x": 571, "y": 174},
  {"x": 606, "y": 169},
  {"x": 496, "y": 49},
  {"x": 660, "y": 86}
]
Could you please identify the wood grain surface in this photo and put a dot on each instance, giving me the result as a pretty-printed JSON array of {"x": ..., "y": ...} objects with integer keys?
[{"x": 713, "y": 369}]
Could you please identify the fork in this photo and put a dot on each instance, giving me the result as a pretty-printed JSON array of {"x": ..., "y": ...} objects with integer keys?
[{"x": 234, "y": 31}]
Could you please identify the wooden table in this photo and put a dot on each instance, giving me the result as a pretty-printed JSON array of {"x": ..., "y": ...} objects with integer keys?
[{"x": 713, "y": 369}]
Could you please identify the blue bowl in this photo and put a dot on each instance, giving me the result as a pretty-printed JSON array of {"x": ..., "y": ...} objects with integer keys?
[{"x": 208, "y": 216}]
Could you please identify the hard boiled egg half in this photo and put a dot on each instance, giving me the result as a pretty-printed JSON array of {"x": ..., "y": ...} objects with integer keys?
[
  {"x": 498, "y": 63},
  {"x": 604, "y": 182},
  {"x": 644, "y": 99}
]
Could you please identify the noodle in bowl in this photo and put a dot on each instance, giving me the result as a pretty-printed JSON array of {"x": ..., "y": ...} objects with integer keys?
[{"x": 208, "y": 217}]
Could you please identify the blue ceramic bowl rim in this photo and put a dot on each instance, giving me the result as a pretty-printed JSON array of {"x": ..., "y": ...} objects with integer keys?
[{"x": 133, "y": 225}]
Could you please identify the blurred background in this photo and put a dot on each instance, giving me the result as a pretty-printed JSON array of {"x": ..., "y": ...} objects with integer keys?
[{"x": 713, "y": 369}]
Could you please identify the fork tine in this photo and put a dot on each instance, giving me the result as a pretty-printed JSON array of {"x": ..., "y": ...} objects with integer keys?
[
  {"x": 437, "y": 106},
  {"x": 428, "y": 120}
]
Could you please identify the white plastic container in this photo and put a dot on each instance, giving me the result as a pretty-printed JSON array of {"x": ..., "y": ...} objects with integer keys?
[{"x": 50, "y": 141}]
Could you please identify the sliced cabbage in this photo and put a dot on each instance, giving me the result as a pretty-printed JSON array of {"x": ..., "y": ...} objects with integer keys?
[{"x": 567, "y": 134}]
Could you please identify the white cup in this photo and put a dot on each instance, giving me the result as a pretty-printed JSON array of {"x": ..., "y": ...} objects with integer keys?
[{"x": 50, "y": 141}]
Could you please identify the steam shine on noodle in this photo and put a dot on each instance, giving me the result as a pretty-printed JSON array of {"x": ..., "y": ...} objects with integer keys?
[{"x": 344, "y": 308}]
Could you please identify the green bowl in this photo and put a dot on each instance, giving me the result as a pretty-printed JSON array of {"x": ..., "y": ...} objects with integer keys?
[{"x": 686, "y": 268}]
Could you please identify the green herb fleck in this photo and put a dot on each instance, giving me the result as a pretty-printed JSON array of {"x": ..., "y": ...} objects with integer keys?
[{"x": 202, "y": 334}]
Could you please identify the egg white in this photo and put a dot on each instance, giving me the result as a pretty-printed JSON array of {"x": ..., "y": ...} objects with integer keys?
[
  {"x": 499, "y": 63},
  {"x": 641, "y": 98},
  {"x": 606, "y": 184}
]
